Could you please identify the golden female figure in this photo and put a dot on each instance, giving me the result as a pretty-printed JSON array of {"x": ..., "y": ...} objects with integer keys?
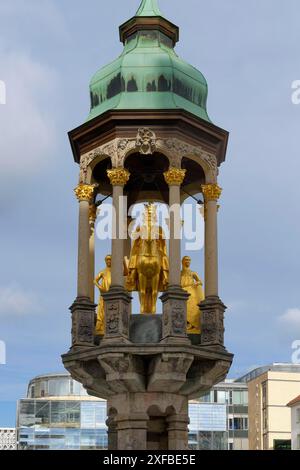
[
  {"x": 191, "y": 283},
  {"x": 103, "y": 282}
]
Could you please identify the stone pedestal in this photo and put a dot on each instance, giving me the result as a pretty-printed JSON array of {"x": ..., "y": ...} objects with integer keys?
[
  {"x": 174, "y": 315},
  {"x": 178, "y": 431},
  {"x": 147, "y": 384},
  {"x": 212, "y": 322},
  {"x": 83, "y": 322},
  {"x": 117, "y": 315},
  {"x": 150, "y": 421}
]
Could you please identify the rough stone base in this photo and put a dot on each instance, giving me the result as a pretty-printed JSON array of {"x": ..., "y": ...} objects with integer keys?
[{"x": 151, "y": 421}]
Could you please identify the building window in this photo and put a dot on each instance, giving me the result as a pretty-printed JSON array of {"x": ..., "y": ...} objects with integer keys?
[
  {"x": 238, "y": 424},
  {"x": 298, "y": 442},
  {"x": 43, "y": 389},
  {"x": 59, "y": 387},
  {"x": 237, "y": 397},
  {"x": 221, "y": 396},
  {"x": 205, "y": 398},
  {"x": 265, "y": 419}
]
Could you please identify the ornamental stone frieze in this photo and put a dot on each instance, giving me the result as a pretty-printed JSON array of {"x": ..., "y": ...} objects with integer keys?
[{"x": 146, "y": 143}]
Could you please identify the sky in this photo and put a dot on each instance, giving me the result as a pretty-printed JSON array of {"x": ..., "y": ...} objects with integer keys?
[{"x": 249, "y": 53}]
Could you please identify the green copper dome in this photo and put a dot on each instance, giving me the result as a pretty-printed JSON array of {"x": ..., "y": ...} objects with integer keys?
[{"x": 148, "y": 74}]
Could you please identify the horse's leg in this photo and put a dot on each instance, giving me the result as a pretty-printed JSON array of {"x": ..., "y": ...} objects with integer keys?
[
  {"x": 142, "y": 285},
  {"x": 154, "y": 294}
]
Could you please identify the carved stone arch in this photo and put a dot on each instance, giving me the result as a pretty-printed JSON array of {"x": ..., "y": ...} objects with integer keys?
[
  {"x": 171, "y": 410},
  {"x": 210, "y": 169},
  {"x": 176, "y": 149},
  {"x": 155, "y": 410},
  {"x": 88, "y": 162}
]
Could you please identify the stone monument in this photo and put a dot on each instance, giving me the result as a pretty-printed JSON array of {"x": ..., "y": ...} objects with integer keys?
[{"x": 148, "y": 137}]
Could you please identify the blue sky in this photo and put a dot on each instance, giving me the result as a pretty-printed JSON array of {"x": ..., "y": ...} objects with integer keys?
[{"x": 249, "y": 54}]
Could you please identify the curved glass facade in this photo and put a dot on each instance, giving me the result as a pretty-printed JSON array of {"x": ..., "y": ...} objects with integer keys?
[
  {"x": 55, "y": 385},
  {"x": 58, "y": 414}
]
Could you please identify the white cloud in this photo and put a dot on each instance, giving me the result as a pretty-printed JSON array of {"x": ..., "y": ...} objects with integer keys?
[
  {"x": 27, "y": 130},
  {"x": 14, "y": 300},
  {"x": 290, "y": 320}
]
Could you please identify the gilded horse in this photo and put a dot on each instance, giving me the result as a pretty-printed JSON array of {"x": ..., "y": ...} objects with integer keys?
[{"x": 148, "y": 267}]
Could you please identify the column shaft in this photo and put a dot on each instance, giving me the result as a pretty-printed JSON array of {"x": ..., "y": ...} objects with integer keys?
[
  {"x": 117, "y": 244},
  {"x": 178, "y": 432},
  {"x": 175, "y": 242},
  {"x": 118, "y": 178},
  {"x": 174, "y": 178},
  {"x": 83, "y": 250},
  {"x": 211, "y": 193},
  {"x": 92, "y": 220},
  {"x": 211, "y": 250}
]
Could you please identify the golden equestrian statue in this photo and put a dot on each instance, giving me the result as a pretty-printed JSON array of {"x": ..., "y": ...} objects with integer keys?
[
  {"x": 148, "y": 266},
  {"x": 191, "y": 283},
  {"x": 103, "y": 282}
]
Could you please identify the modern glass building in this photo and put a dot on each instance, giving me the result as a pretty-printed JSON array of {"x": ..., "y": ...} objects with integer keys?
[
  {"x": 58, "y": 414},
  {"x": 219, "y": 418}
]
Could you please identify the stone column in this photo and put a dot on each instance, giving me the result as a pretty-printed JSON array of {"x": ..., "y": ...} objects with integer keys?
[
  {"x": 132, "y": 431},
  {"x": 117, "y": 300},
  {"x": 211, "y": 193},
  {"x": 174, "y": 178},
  {"x": 127, "y": 241},
  {"x": 112, "y": 433},
  {"x": 83, "y": 309},
  {"x": 174, "y": 299},
  {"x": 118, "y": 178},
  {"x": 212, "y": 308},
  {"x": 84, "y": 194},
  {"x": 178, "y": 432},
  {"x": 92, "y": 220}
]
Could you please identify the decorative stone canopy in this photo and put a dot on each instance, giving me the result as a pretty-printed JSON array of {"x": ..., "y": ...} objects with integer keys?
[{"x": 148, "y": 74}]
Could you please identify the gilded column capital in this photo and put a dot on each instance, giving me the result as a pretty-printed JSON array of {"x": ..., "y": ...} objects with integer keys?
[
  {"x": 118, "y": 176},
  {"x": 211, "y": 192},
  {"x": 85, "y": 192},
  {"x": 174, "y": 176}
]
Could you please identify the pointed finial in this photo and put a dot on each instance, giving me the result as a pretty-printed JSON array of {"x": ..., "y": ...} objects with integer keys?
[{"x": 148, "y": 8}]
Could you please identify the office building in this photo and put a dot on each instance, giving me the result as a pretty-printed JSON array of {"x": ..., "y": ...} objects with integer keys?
[
  {"x": 58, "y": 414},
  {"x": 270, "y": 389},
  {"x": 219, "y": 418},
  {"x": 294, "y": 405}
]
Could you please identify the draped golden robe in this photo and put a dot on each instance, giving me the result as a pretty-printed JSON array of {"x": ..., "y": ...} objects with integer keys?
[
  {"x": 103, "y": 282},
  {"x": 192, "y": 284}
]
